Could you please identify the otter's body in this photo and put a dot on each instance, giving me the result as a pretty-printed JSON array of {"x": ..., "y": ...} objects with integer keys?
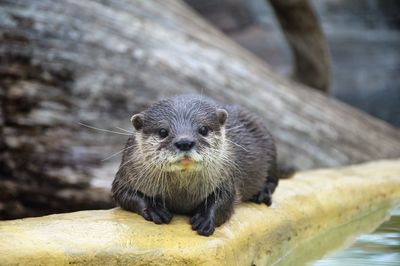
[{"x": 195, "y": 156}]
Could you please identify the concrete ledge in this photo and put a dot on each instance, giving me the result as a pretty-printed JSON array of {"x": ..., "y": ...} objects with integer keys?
[{"x": 309, "y": 206}]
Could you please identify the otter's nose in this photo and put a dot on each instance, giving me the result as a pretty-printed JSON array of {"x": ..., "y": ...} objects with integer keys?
[{"x": 184, "y": 144}]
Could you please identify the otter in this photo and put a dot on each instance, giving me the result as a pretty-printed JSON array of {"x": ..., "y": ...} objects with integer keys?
[{"x": 195, "y": 156}]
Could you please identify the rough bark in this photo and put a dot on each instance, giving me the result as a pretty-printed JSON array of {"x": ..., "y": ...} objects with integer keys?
[
  {"x": 302, "y": 30},
  {"x": 98, "y": 62}
]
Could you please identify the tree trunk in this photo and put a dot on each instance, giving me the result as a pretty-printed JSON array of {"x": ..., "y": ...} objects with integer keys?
[
  {"x": 304, "y": 34},
  {"x": 98, "y": 62}
]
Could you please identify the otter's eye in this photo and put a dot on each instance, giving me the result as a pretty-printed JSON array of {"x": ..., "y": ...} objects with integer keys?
[
  {"x": 203, "y": 131},
  {"x": 163, "y": 133}
]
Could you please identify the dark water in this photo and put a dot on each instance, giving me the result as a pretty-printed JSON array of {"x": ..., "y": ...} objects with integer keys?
[{"x": 381, "y": 247}]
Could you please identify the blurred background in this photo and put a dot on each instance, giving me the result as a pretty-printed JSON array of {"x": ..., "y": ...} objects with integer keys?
[{"x": 363, "y": 38}]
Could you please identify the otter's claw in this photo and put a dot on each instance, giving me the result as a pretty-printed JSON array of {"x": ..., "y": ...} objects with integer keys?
[
  {"x": 158, "y": 214},
  {"x": 262, "y": 196},
  {"x": 203, "y": 223}
]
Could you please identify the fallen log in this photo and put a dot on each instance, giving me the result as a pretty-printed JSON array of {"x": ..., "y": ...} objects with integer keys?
[{"x": 65, "y": 62}]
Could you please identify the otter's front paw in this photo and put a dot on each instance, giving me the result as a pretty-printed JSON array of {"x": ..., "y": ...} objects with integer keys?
[
  {"x": 203, "y": 223},
  {"x": 262, "y": 196},
  {"x": 156, "y": 213}
]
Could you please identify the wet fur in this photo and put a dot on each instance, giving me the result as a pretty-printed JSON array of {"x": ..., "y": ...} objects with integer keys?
[{"x": 238, "y": 162}]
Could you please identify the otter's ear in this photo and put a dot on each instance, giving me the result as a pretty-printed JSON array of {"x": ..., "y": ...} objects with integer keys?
[
  {"x": 222, "y": 115},
  {"x": 137, "y": 121}
]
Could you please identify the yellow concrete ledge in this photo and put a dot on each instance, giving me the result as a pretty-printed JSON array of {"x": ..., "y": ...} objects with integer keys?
[{"x": 313, "y": 207}]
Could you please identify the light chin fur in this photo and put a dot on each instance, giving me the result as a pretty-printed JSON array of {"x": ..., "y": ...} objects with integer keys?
[
  {"x": 163, "y": 172},
  {"x": 183, "y": 169},
  {"x": 174, "y": 162}
]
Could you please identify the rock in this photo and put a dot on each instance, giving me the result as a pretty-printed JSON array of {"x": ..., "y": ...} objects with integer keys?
[{"x": 309, "y": 211}]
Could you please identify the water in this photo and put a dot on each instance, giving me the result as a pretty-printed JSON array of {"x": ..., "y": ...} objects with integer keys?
[
  {"x": 382, "y": 247},
  {"x": 352, "y": 243}
]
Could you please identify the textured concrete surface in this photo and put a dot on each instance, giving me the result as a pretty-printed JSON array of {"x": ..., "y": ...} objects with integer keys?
[{"x": 309, "y": 206}]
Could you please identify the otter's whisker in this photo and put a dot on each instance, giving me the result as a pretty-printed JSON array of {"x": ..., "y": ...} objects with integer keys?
[
  {"x": 201, "y": 99},
  {"x": 120, "y": 128},
  {"x": 104, "y": 130},
  {"x": 231, "y": 128},
  {"x": 125, "y": 163},
  {"x": 240, "y": 146},
  {"x": 115, "y": 154}
]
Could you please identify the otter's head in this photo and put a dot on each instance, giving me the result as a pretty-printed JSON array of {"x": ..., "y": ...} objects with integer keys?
[{"x": 185, "y": 133}]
